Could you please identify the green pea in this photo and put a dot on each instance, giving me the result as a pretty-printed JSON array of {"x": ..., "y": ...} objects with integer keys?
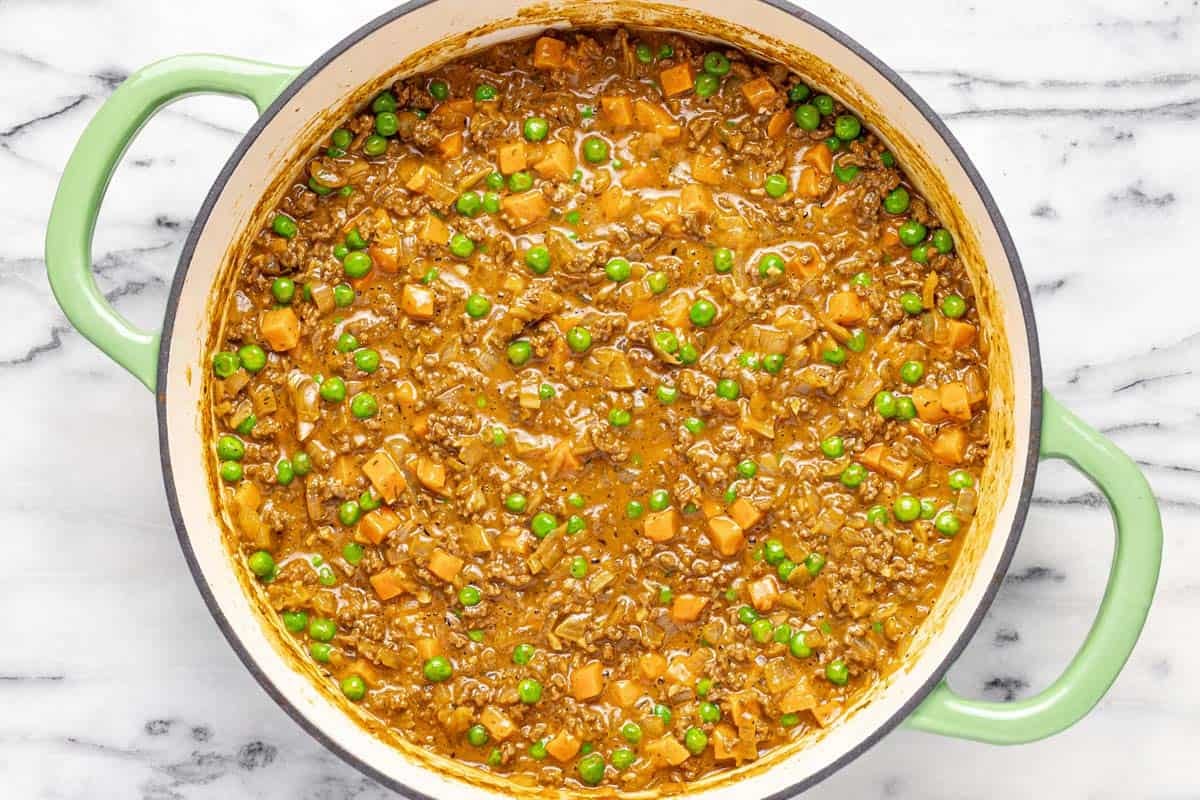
[
  {"x": 906, "y": 508},
  {"x": 771, "y": 265},
  {"x": 728, "y": 389},
  {"x": 253, "y": 357},
  {"x": 618, "y": 269},
  {"x": 824, "y": 104},
  {"x": 623, "y": 758},
  {"x": 519, "y": 352},
  {"x": 693, "y": 424},
  {"x": 494, "y": 181},
  {"x": 357, "y": 264},
  {"x": 947, "y": 523},
  {"x": 353, "y": 553},
  {"x": 246, "y": 426},
  {"x": 688, "y": 354},
  {"x": 369, "y": 501},
  {"x": 364, "y": 405},
  {"x": 807, "y": 117},
  {"x": 786, "y": 568},
  {"x": 833, "y": 446},
  {"x": 798, "y": 647},
  {"x": 773, "y": 363},
  {"x": 619, "y": 417},
  {"x": 537, "y": 750},
  {"x": 703, "y": 685},
  {"x": 911, "y": 303},
  {"x": 535, "y": 129},
  {"x": 591, "y": 769},
  {"x": 861, "y": 279},
  {"x": 773, "y": 551},
  {"x": 905, "y": 409},
  {"x": 576, "y": 524},
  {"x": 911, "y": 372},
  {"x": 666, "y": 51},
  {"x": 468, "y": 204},
  {"x": 491, "y": 202},
  {"x": 261, "y": 564},
  {"x": 230, "y": 448},
  {"x": 439, "y": 89},
  {"x": 885, "y": 404},
  {"x": 837, "y": 672},
  {"x": 663, "y": 712},
  {"x": 530, "y": 691},
  {"x": 716, "y": 64},
  {"x": 320, "y": 651},
  {"x": 631, "y": 732},
  {"x": 538, "y": 259},
  {"x": 877, "y": 515},
  {"x": 707, "y": 84},
  {"x": 343, "y": 295},
  {"x": 437, "y": 669},
  {"x": 346, "y": 343},
  {"x": 385, "y": 101},
  {"x": 660, "y": 499},
  {"x": 579, "y": 339},
  {"x": 695, "y": 740},
  {"x": 953, "y": 307},
  {"x": 354, "y": 687},
  {"x": 576, "y": 499},
  {"x": 283, "y": 290},
  {"x": 595, "y": 150},
  {"x": 470, "y": 595},
  {"x": 702, "y": 313},
  {"x": 230, "y": 471},
  {"x": 710, "y": 712},
  {"x": 887, "y": 159},
  {"x": 572, "y": 217},
  {"x": 341, "y": 138},
  {"x": 284, "y": 226},
  {"x": 644, "y": 53},
  {"x": 847, "y": 127},
  {"x": 634, "y": 510},
  {"x": 374, "y": 145},
  {"x": 461, "y": 245},
  {"x": 349, "y": 512},
  {"x": 845, "y": 173},
  {"x": 547, "y": 391},
  {"x": 835, "y": 355},
  {"x": 960, "y": 479},
  {"x": 333, "y": 390},
  {"x": 897, "y": 201},
  {"x": 515, "y": 502},
  {"x": 911, "y": 232},
  {"x": 295, "y": 621},
  {"x": 775, "y": 185},
  {"x": 761, "y": 630},
  {"x": 484, "y": 93},
  {"x": 477, "y": 736},
  {"x": 942, "y": 240},
  {"x": 853, "y": 475},
  {"x": 814, "y": 563},
  {"x": 522, "y": 654},
  {"x": 386, "y": 123},
  {"x": 520, "y": 182},
  {"x": 657, "y": 282},
  {"x": 542, "y": 524},
  {"x": 920, "y": 254},
  {"x": 367, "y": 360},
  {"x": 722, "y": 260},
  {"x": 478, "y": 306},
  {"x": 321, "y": 629},
  {"x": 225, "y": 364},
  {"x": 666, "y": 342}
]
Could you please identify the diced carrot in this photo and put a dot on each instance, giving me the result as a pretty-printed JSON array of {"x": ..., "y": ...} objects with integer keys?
[
  {"x": 617, "y": 109},
  {"x": 564, "y": 746},
  {"x": 385, "y": 254},
  {"x": 524, "y": 208},
  {"x": 431, "y": 474},
  {"x": 497, "y": 722},
  {"x": 764, "y": 592},
  {"x": 445, "y": 565},
  {"x": 675, "y": 310},
  {"x": 959, "y": 334},
  {"x": 665, "y": 211},
  {"x": 422, "y": 177},
  {"x": 871, "y": 457},
  {"x": 744, "y": 513},
  {"x": 654, "y": 118},
  {"x": 587, "y": 681},
  {"x": 726, "y": 535},
  {"x": 561, "y": 458},
  {"x": 677, "y": 79},
  {"x": 778, "y": 124},
  {"x": 615, "y": 203},
  {"x": 385, "y": 476},
  {"x": 557, "y": 162},
  {"x": 511, "y": 156},
  {"x": 724, "y": 739},
  {"x": 708, "y": 168},
  {"x": 950, "y": 445},
  {"x": 625, "y": 693},
  {"x": 428, "y": 647},
  {"x": 548, "y": 53},
  {"x": 642, "y": 176},
  {"x": 451, "y": 145},
  {"x": 661, "y": 526},
  {"x": 667, "y": 750},
  {"x": 928, "y": 288},
  {"x": 820, "y": 156},
  {"x": 387, "y": 583},
  {"x": 847, "y": 307},
  {"x": 759, "y": 92},
  {"x": 809, "y": 184},
  {"x": 696, "y": 200},
  {"x": 417, "y": 301},
  {"x": 280, "y": 328},
  {"x": 807, "y": 263},
  {"x": 687, "y": 607},
  {"x": 420, "y": 425},
  {"x": 433, "y": 230},
  {"x": 652, "y": 665},
  {"x": 248, "y": 495},
  {"x": 452, "y": 114},
  {"x": 377, "y": 524},
  {"x": 929, "y": 405},
  {"x": 799, "y": 698},
  {"x": 953, "y": 397},
  {"x": 514, "y": 540},
  {"x": 711, "y": 508}
]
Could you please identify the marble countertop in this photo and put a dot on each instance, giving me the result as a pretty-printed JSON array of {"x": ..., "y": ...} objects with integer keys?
[{"x": 114, "y": 680}]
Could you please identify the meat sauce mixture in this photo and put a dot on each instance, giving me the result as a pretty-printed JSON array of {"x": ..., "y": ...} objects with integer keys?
[{"x": 601, "y": 409}]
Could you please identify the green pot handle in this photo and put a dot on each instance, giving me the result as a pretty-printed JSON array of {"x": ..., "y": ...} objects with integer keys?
[
  {"x": 1118, "y": 624},
  {"x": 88, "y": 171}
]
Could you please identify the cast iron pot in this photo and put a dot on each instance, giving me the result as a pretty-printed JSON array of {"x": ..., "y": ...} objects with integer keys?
[{"x": 298, "y": 106}]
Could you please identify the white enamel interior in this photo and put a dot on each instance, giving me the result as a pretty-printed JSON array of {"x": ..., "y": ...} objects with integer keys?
[{"x": 370, "y": 61}]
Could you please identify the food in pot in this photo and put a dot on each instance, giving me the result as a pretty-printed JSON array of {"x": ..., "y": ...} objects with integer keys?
[{"x": 605, "y": 408}]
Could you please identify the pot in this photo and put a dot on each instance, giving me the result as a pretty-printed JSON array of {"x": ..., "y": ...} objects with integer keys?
[{"x": 297, "y": 106}]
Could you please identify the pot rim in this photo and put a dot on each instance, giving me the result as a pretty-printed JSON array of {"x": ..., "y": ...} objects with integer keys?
[{"x": 995, "y": 219}]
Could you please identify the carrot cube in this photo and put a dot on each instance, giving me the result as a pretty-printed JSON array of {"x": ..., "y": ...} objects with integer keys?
[
  {"x": 950, "y": 445},
  {"x": 376, "y": 525},
  {"x": 433, "y": 230},
  {"x": 641, "y": 176},
  {"x": 696, "y": 200},
  {"x": 959, "y": 334},
  {"x": 652, "y": 665},
  {"x": 557, "y": 162},
  {"x": 428, "y": 647},
  {"x": 708, "y": 168},
  {"x": 445, "y": 565},
  {"x": 385, "y": 476},
  {"x": 563, "y": 746},
  {"x": 778, "y": 124},
  {"x": 587, "y": 681},
  {"x": 764, "y": 592},
  {"x": 661, "y": 526},
  {"x": 387, "y": 583},
  {"x": 928, "y": 403},
  {"x": 280, "y": 328},
  {"x": 451, "y": 145},
  {"x": 667, "y": 750},
  {"x": 512, "y": 157},
  {"x": 549, "y": 53},
  {"x": 677, "y": 79},
  {"x": 417, "y": 301},
  {"x": 744, "y": 513},
  {"x": 615, "y": 203},
  {"x": 820, "y": 156},
  {"x": 525, "y": 208},
  {"x": 497, "y": 722},
  {"x": 687, "y": 607},
  {"x": 431, "y": 474},
  {"x": 617, "y": 109},
  {"x": 847, "y": 307},
  {"x": 625, "y": 693},
  {"x": 954, "y": 399},
  {"x": 809, "y": 184},
  {"x": 759, "y": 92}
]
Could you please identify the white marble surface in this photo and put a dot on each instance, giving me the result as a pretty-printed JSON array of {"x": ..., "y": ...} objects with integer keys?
[{"x": 114, "y": 681}]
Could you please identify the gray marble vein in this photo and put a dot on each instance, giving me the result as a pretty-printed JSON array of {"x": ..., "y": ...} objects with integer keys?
[{"x": 1083, "y": 118}]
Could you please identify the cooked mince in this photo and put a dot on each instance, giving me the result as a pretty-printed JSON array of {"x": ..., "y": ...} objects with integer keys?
[{"x": 603, "y": 408}]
